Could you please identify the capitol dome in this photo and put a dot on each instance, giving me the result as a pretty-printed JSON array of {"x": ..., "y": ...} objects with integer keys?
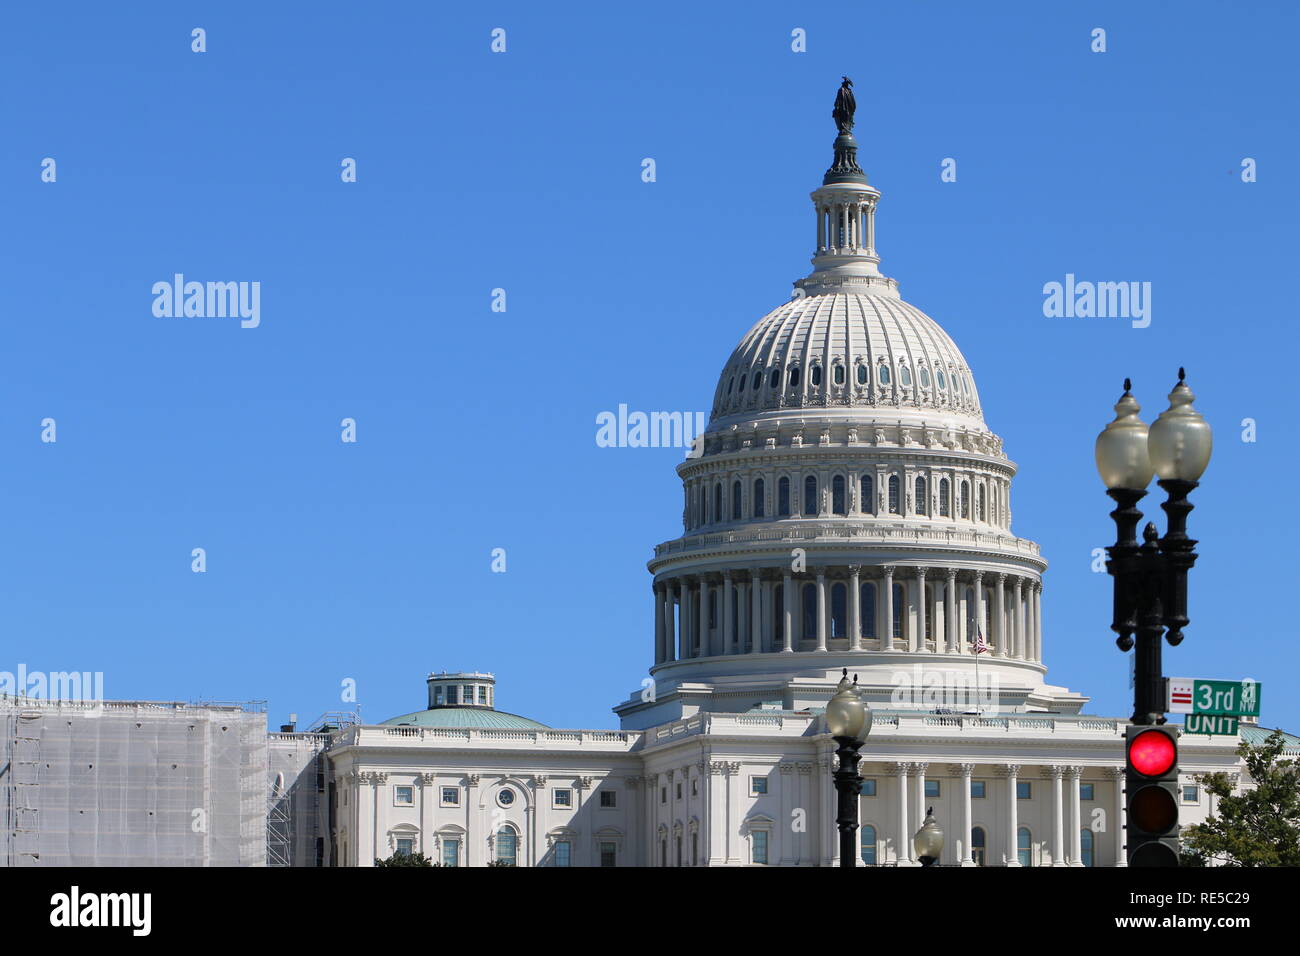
[{"x": 847, "y": 350}]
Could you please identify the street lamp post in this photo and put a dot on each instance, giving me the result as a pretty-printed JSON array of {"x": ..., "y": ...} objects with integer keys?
[
  {"x": 1150, "y": 597},
  {"x": 928, "y": 841},
  {"x": 849, "y": 721}
]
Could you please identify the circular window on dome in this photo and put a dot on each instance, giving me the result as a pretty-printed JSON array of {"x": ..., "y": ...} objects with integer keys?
[
  {"x": 942, "y": 381},
  {"x": 506, "y": 797},
  {"x": 839, "y": 375},
  {"x": 884, "y": 374},
  {"x": 904, "y": 375},
  {"x": 816, "y": 376},
  {"x": 862, "y": 374},
  {"x": 925, "y": 377}
]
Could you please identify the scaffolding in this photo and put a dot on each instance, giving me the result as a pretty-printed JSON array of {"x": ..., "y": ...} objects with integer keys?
[{"x": 132, "y": 783}]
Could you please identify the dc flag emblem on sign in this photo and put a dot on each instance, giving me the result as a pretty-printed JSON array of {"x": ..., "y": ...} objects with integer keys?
[{"x": 1180, "y": 695}]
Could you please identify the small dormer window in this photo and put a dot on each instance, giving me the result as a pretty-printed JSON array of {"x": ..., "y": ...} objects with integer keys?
[
  {"x": 943, "y": 383},
  {"x": 775, "y": 380},
  {"x": 743, "y": 378},
  {"x": 925, "y": 377},
  {"x": 816, "y": 379},
  {"x": 794, "y": 378},
  {"x": 839, "y": 375},
  {"x": 862, "y": 375},
  {"x": 730, "y": 382},
  {"x": 758, "y": 380},
  {"x": 884, "y": 375},
  {"x": 905, "y": 375}
]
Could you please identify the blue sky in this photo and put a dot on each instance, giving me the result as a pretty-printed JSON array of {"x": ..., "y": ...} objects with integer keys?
[{"x": 371, "y": 561}]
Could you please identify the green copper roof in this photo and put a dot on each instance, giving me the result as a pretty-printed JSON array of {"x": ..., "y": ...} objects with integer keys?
[
  {"x": 459, "y": 717},
  {"x": 1255, "y": 736}
]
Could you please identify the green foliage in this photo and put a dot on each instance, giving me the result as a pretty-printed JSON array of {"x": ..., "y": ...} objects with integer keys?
[
  {"x": 406, "y": 859},
  {"x": 1258, "y": 827},
  {"x": 500, "y": 863}
]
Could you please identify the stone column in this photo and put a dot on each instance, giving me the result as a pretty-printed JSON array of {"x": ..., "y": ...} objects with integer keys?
[
  {"x": 979, "y": 610},
  {"x": 787, "y": 612},
  {"x": 917, "y": 642},
  {"x": 1058, "y": 824},
  {"x": 1116, "y": 820},
  {"x": 966, "y": 771},
  {"x": 1018, "y": 618},
  {"x": 855, "y": 607},
  {"x": 700, "y": 644},
  {"x": 364, "y": 838},
  {"x": 659, "y": 625},
  {"x": 1011, "y": 771},
  {"x": 887, "y": 634},
  {"x": 951, "y": 630},
  {"x": 428, "y": 798},
  {"x": 919, "y": 770},
  {"x": 727, "y": 586},
  {"x": 1038, "y": 620},
  {"x": 683, "y": 619},
  {"x": 1073, "y": 775},
  {"x": 821, "y": 609},
  {"x": 903, "y": 846},
  {"x": 755, "y": 613},
  {"x": 1000, "y": 617}
]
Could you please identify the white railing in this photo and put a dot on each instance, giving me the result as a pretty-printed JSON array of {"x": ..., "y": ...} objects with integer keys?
[{"x": 892, "y": 535}]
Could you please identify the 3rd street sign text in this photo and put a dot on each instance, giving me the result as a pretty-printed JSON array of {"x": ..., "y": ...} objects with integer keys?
[{"x": 1230, "y": 698}]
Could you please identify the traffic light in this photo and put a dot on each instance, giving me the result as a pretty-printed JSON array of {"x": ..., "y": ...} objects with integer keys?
[{"x": 1151, "y": 778}]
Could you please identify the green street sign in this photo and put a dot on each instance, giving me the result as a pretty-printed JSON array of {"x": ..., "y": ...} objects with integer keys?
[
  {"x": 1210, "y": 724},
  {"x": 1231, "y": 698}
]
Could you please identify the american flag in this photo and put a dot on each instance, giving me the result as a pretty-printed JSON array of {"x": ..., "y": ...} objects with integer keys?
[{"x": 980, "y": 646}]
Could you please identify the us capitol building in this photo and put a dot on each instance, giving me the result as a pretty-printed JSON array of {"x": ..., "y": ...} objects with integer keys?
[{"x": 849, "y": 508}]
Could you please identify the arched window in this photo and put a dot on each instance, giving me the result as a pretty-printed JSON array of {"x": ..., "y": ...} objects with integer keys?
[
  {"x": 759, "y": 503},
  {"x": 735, "y": 501},
  {"x": 507, "y": 846},
  {"x": 945, "y": 510},
  {"x": 783, "y": 498},
  {"x": 925, "y": 377},
  {"x": 758, "y": 380},
  {"x": 1085, "y": 846},
  {"x": 965, "y": 499},
  {"x": 743, "y": 379},
  {"x": 893, "y": 494},
  {"x": 809, "y": 595},
  {"x": 867, "y": 490},
  {"x": 921, "y": 495},
  {"x": 900, "y": 608},
  {"x": 839, "y": 611},
  {"x": 977, "y": 844},
  {"x": 979, "y": 503},
  {"x": 867, "y": 609},
  {"x": 730, "y": 382},
  {"x": 839, "y": 374},
  {"x": 1025, "y": 846},
  {"x": 884, "y": 374},
  {"x": 862, "y": 374},
  {"x": 868, "y": 845},
  {"x": 905, "y": 375},
  {"x": 794, "y": 378},
  {"x": 815, "y": 376},
  {"x": 943, "y": 383},
  {"x": 810, "y": 495},
  {"x": 775, "y": 379},
  {"x": 838, "y": 504},
  {"x": 717, "y": 501}
]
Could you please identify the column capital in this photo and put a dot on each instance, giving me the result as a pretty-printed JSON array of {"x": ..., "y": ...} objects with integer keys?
[
  {"x": 962, "y": 769},
  {"x": 888, "y": 570},
  {"x": 1009, "y": 770},
  {"x": 950, "y": 574},
  {"x": 899, "y": 769},
  {"x": 754, "y": 574},
  {"x": 921, "y": 572},
  {"x": 855, "y": 569},
  {"x": 977, "y": 577},
  {"x": 1115, "y": 773},
  {"x": 1002, "y": 578},
  {"x": 1054, "y": 772},
  {"x": 1073, "y": 773},
  {"x": 920, "y": 767},
  {"x": 1037, "y": 586}
]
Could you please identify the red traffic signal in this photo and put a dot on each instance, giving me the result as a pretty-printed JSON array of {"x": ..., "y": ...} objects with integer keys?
[{"x": 1152, "y": 753}]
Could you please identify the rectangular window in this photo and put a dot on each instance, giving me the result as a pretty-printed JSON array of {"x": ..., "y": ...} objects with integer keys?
[
  {"x": 932, "y": 788},
  {"x": 406, "y": 847},
  {"x": 1085, "y": 791},
  {"x": 482, "y": 695},
  {"x": 563, "y": 853},
  {"x": 450, "y": 796},
  {"x": 562, "y": 797},
  {"x": 608, "y": 854},
  {"x": 869, "y": 787},
  {"x": 467, "y": 694},
  {"x": 663, "y": 794},
  {"x": 1191, "y": 793},
  {"x": 451, "y": 695},
  {"x": 757, "y": 786},
  {"x": 1024, "y": 790},
  {"x": 404, "y": 796},
  {"x": 437, "y": 695},
  {"x": 608, "y": 799},
  {"x": 679, "y": 790},
  {"x": 978, "y": 789},
  {"x": 451, "y": 853},
  {"x": 760, "y": 846}
]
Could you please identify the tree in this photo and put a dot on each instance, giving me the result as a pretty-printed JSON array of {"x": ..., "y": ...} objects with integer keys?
[
  {"x": 406, "y": 859},
  {"x": 1259, "y": 826}
]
